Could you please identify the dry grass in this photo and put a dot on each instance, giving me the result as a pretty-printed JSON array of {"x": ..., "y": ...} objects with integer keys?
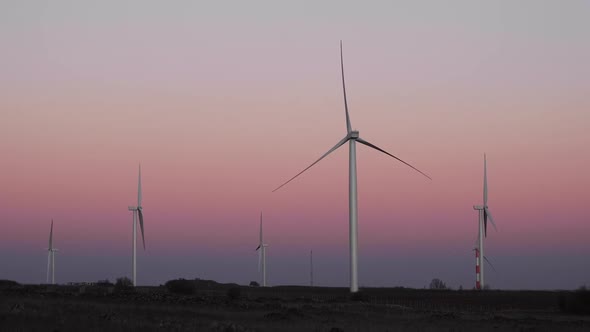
[{"x": 56, "y": 309}]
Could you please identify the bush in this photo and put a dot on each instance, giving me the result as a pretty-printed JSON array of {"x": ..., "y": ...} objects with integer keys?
[
  {"x": 577, "y": 302},
  {"x": 123, "y": 284},
  {"x": 104, "y": 283},
  {"x": 181, "y": 286},
  {"x": 8, "y": 284},
  {"x": 254, "y": 284},
  {"x": 234, "y": 293},
  {"x": 438, "y": 284}
]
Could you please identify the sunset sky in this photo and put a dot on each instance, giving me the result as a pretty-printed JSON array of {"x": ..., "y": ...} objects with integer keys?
[{"x": 221, "y": 102}]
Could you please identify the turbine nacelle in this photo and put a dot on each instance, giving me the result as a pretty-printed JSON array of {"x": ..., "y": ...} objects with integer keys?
[{"x": 353, "y": 134}]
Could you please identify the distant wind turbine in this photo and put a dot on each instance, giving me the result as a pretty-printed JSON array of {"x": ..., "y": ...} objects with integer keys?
[
  {"x": 137, "y": 213},
  {"x": 51, "y": 257},
  {"x": 352, "y": 136},
  {"x": 262, "y": 254},
  {"x": 484, "y": 215}
]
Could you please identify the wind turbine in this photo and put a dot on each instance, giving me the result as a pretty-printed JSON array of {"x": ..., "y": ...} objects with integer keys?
[
  {"x": 137, "y": 213},
  {"x": 484, "y": 215},
  {"x": 352, "y": 137},
  {"x": 51, "y": 257},
  {"x": 262, "y": 254}
]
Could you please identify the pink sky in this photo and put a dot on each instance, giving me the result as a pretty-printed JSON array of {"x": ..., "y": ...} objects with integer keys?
[{"x": 222, "y": 104}]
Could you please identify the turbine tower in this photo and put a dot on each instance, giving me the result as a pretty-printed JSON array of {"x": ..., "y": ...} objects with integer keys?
[
  {"x": 137, "y": 214},
  {"x": 51, "y": 257},
  {"x": 484, "y": 215},
  {"x": 352, "y": 137},
  {"x": 478, "y": 264},
  {"x": 262, "y": 254}
]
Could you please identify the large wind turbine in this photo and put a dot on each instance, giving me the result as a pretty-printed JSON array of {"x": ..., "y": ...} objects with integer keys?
[
  {"x": 484, "y": 215},
  {"x": 137, "y": 213},
  {"x": 352, "y": 136},
  {"x": 51, "y": 257},
  {"x": 262, "y": 254}
]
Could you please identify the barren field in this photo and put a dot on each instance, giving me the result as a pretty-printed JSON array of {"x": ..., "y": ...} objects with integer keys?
[{"x": 213, "y": 308}]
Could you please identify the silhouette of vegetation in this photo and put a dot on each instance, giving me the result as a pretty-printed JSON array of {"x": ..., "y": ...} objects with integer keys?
[
  {"x": 123, "y": 284},
  {"x": 234, "y": 293},
  {"x": 104, "y": 283},
  {"x": 189, "y": 287},
  {"x": 8, "y": 283},
  {"x": 254, "y": 284},
  {"x": 577, "y": 302},
  {"x": 181, "y": 286},
  {"x": 438, "y": 284}
]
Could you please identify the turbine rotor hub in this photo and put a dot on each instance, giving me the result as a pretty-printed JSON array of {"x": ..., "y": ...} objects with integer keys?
[{"x": 354, "y": 134}]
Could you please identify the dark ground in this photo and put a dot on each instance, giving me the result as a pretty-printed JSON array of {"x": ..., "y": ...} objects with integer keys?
[{"x": 92, "y": 308}]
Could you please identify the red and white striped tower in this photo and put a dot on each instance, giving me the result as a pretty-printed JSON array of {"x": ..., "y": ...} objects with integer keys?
[
  {"x": 479, "y": 253},
  {"x": 477, "y": 270}
]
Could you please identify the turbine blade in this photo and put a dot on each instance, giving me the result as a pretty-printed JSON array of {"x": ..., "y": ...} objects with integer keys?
[
  {"x": 258, "y": 247},
  {"x": 259, "y": 259},
  {"x": 490, "y": 263},
  {"x": 362, "y": 141},
  {"x": 51, "y": 235},
  {"x": 485, "y": 181},
  {"x": 344, "y": 140},
  {"x": 348, "y": 126},
  {"x": 139, "y": 188},
  {"x": 140, "y": 214},
  {"x": 489, "y": 216}
]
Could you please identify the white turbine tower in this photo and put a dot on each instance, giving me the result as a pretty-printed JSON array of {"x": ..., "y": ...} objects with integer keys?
[
  {"x": 137, "y": 214},
  {"x": 352, "y": 137},
  {"x": 51, "y": 257},
  {"x": 484, "y": 215},
  {"x": 262, "y": 254}
]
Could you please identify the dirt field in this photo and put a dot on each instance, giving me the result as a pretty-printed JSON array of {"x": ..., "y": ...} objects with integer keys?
[{"x": 38, "y": 308}]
